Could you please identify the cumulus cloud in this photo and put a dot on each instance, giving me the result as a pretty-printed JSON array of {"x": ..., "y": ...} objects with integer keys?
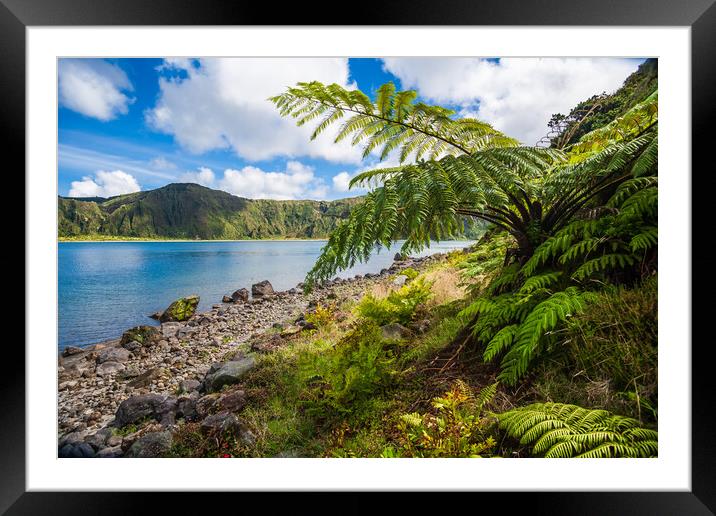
[
  {"x": 516, "y": 95},
  {"x": 221, "y": 103},
  {"x": 341, "y": 181},
  {"x": 298, "y": 181},
  {"x": 204, "y": 176},
  {"x": 104, "y": 184},
  {"x": 94, "y": 88}
]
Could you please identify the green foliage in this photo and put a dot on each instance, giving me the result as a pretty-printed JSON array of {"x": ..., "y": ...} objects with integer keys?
[
  {"x": 457, "y": 428},
  {"x": 342, "y": 380},
  {"x": 399, "y": 306},
  {"x": 189, "y": 211},
  {"x": 322, "y": 316},
  {"x": 410, "y": 273},
  {"x": 556, "y": 430}
]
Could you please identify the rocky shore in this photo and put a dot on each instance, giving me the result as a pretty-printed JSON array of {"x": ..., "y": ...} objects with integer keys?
[{"x": 125, "y": 397}]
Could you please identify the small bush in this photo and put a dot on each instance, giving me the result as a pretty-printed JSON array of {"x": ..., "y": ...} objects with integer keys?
[
  {"x": 322, "y": 317},
  {"x": 342, "y": 380},
  {"x": 456, "y": 429},
  {"x": 399, "y": 306},
  {"x": 410, "y": 273}
]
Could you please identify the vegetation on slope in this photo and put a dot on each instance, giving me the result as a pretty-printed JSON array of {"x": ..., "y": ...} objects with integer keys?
[{"x": 191, "y": 211}]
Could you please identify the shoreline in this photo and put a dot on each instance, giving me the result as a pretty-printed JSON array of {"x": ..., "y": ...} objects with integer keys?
[{"x": 95, "y": 379}]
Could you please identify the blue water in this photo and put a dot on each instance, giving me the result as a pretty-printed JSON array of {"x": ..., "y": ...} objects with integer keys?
[{"x": 106, "y": 287}]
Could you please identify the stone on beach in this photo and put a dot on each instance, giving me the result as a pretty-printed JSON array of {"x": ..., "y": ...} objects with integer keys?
[
  {"x": 262, "y": 288},
  {"x": 181, "y": 309}
]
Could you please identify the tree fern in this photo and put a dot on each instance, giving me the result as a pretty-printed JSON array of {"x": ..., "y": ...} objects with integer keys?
[{"x": 556, "y": 430}]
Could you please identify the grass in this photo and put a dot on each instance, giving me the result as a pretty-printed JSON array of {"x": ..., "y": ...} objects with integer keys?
[{"x": 607, "y": 356}]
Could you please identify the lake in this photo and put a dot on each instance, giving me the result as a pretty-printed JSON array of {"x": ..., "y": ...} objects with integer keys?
[{"x": 106, "y": 287}]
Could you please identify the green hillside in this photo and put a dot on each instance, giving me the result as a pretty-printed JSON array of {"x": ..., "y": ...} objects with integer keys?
[{"x": 191, "y": 211}]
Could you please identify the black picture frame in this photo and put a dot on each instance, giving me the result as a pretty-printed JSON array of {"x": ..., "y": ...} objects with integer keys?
[{"x": 700, "y": 15}]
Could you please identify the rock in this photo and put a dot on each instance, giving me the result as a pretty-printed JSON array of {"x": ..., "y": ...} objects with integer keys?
[
  {"x": 74, "y": 437},
  {"x": 395, "y": 331},
  {"x": 71, "y": 350},
  {"x": 155, "y": 315},
  {"x": 76, "y": 451},
  {"x": 309, "y": 326},
  {"x": 111, "y": 452},
  {"x": 186, "y": 406},
  {"x": 146, "y": 336},
  {"x": 147, "y": 377},
  {"x": 400, "y": 280},
  {"x": 181, "y": 309},
  {"x": 132, "y": 346},
  {"x": 206, "y": 404},
  {"x": 153, "y": 444},
  {"x": 232, "y": 401},
  {"x": 222, "y": 422},
  {"x": 228, "y": 374},
  {"x": 399, "y": 257},
  {"x": 189, "y": 385},
  {"x": 227, "y": 299},
  {"x": 109, "y": 368},
  {"x": 137, "y": 408},
  {"x": 99, "y": 438},
  {"x": 267, "y": 343},
  {"x": 242, "y": 295},
  {"x": 113, "y": 354},
  {"x": 170, "y": 329},
  {"x": 261, "y": 289}
]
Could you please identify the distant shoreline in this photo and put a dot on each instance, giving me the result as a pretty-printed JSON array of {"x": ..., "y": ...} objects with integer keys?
[{"x": 143, "y": 240}]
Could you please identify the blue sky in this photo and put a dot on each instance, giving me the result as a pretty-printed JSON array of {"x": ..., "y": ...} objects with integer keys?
[{"x": 131, "y": 124}]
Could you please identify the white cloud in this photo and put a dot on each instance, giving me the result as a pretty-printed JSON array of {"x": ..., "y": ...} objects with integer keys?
[
  {"x": 93, "y": 87},
  {"x": 104, "y": 184},
  {"x": 517, "y": 95},
  {"x": 341, "y": 181},
  {"x": 222, "y": 104},
  {"x": 204, "y": 176},
  {"x": 298, "y": 181}
]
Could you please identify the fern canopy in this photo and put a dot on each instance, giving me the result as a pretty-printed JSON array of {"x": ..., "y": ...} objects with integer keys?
[
  {"x": 451, "y": 168},
  {"x": 556, "y": 430}
]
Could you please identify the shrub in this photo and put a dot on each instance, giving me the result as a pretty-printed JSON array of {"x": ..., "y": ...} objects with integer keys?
[
  {"x": 321, "y": 317},
  {"x": 456, "y": 429},
  {"x": 341, "y": 380},
  {"x": 410, "y": 273},
  {"x": 399, "y": 306}
]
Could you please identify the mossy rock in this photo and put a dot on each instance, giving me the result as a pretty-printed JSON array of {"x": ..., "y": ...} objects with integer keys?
[
  {"x": 145, "y": 335},
  {"x": 181, "y": 309}
]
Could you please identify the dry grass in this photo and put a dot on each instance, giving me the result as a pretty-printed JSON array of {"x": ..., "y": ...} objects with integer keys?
[{"x": 446, "y": 286}]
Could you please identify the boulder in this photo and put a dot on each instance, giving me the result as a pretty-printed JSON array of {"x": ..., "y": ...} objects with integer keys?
[
  {"x": 227, "y": 299},
  {"x": 181, "y": 309},
  {"x": 261, "y": 289},
  {"x": 113, "y": 354},
  {"x": 147, "y": 377},
  {"x": 267, "y": 343},
  {"x": 137, "y": 408},
  {"x": 186, "y": 406},
  {"x": 222, "y": 422},
  {"x": 189, "y": 385},
  {"x": 153, "y": 444},
  {"x": 399, "y": 257},
  {"x": 242, "y": 295},
  {"x": 111, "y": 452},
  {"x": 132, "y": 346},
  {"x": 206, "y": 404},
  {"x": 395, "y": 331},
  {"x": 228, "y": 374},
  {"x": 145, "y": 335},
  {"x": 71, "y": 350},
  {"x": 109, "y": 368},
  {"x": 232, "y": 401},
  {"x": 76, "y": 451},
  {"x": 400, "y": 280}
]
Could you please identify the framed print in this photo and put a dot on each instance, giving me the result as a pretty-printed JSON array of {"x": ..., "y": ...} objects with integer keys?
[{"x": 263, "y": 262}]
